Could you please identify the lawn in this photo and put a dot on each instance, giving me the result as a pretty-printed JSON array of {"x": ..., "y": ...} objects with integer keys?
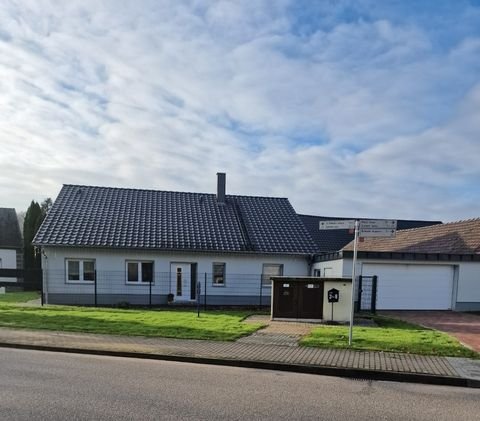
[
  {"x": 391, "y": 335},
  {"x": 212, "y": 325},
  {"x": 18, "y": 297}
]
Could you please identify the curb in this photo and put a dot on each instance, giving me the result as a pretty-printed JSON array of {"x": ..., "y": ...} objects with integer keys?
[{"x": 352, "y": 373}]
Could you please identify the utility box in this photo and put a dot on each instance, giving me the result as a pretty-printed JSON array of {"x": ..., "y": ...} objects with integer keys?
[{"x": 306, "y": 298}]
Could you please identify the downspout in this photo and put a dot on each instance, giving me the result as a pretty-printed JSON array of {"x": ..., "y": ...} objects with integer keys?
[{"x": 45, "y": 277}]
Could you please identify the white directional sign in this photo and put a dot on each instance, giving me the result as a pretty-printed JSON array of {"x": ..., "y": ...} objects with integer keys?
[
  {"x": 375, "y": 232},
  {"x": 345, "y": 224},
  {"x": 377, "y": 228},
  {"x": 378, "y": 224}
]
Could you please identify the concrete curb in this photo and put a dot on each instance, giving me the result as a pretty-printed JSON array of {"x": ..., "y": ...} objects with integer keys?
[{"x": 363, "y": 374}]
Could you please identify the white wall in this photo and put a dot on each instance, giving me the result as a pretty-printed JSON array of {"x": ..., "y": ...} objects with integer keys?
[
  {"x": 111, "y": 264},
  {"x": 330, "y": 269},
  {"x": 341, "y": 310},
  {"x": 466, "y": 287},
  {"x": 468, "y": 282},
  {"x": 9, "y": 261}
]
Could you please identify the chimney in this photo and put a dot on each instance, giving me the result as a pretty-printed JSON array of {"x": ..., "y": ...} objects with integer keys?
[{"x": 221, "y": 188}]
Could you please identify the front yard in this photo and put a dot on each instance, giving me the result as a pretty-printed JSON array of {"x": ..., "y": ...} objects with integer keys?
[
  {"x": 391, "y": 335},
  {"x": 184, "y": 324}
]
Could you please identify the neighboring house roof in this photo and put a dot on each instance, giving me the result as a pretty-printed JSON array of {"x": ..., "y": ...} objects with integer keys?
[
  {"x": 334, "y": 240},
  {"x": 10, "y": 234},
  {"x": 456, "y": 238},
  {"x": 149, "y": 219}
]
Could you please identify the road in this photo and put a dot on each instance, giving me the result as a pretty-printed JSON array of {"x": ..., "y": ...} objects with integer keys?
[{"x": 37, "y": 385}]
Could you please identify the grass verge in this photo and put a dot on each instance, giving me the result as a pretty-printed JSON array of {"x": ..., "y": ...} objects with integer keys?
[
  {"x": 183, "y": 324},
  {"x": 391, "y": 335},
  {"x": 18, "y": 297}
]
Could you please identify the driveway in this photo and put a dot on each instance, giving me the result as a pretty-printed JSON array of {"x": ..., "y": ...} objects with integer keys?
[{"x": 465, "y": 327}]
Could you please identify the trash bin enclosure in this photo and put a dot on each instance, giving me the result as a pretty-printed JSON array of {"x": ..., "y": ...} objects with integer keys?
[{"x": 297, "y": 298}]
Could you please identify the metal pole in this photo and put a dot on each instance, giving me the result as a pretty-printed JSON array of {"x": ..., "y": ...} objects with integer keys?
[
  {"x": 95, "y": 288},
  {"x": 205, "y": 291},
  {"x": 261, "y": 280},
  {"x": 150, "y": 293},
  {"x": 352, "y": 310}
]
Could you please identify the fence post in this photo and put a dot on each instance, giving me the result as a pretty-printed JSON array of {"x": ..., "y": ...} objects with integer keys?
[
  {"x": 205, "y": 292},
  {"x": 41, "y": 289},
  {"x": 95, "y": 288},
  {"x": 150, "y": 293},
  {"x": 261, "y": 280},
  {"x": 374, "y": 294},
  {"x": 360, "y": 282}
]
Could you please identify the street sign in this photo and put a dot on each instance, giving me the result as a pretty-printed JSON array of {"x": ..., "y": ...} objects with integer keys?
[
  {"x": 333, "y": 295},
  {"x": 378, "y": 224},
  {"x": 345, "y": 224},
  {"x": 375, "y": 232}
]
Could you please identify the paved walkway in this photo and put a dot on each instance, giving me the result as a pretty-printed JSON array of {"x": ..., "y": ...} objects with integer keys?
[
  {"x": 464, "y": 326},
  {"x": 240, "y": 350}
]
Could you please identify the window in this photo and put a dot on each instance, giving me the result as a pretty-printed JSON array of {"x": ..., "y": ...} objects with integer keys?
[
  {"x": 80, "y": 270},
  {"x": 179, "y": 281},
  {"x": 139, "y": 272},
  {"x": 270, "y": 270},
  {"x": 317, "y": 272},
  {"x": 218, "y": 274}
]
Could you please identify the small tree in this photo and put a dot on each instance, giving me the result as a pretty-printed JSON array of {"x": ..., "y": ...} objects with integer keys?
[{"x": 33, "y": 219}]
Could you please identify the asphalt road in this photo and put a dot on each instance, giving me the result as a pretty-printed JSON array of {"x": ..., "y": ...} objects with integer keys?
[{"x": 38, "y": 385}]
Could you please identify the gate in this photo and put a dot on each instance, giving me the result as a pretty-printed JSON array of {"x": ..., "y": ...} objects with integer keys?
[
  {"x": 367, "y": 293},
  {"x": 27, "y": 279},
  {"x": 294, "y": 299}
]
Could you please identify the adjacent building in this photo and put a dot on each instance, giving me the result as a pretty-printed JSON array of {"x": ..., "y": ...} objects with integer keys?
[{"x": 11, "y": 244}]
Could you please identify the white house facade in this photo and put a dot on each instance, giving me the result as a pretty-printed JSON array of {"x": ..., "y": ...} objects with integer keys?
[{"x": 116, "y": 245}]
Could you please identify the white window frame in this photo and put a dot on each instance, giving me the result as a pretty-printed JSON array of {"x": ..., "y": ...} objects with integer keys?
[
  {"x": 139, "y": 272},
  {"x": 215, "y": 284},
  {"x": 280, "y": 265},
  {"x": 81, "y": 272}
]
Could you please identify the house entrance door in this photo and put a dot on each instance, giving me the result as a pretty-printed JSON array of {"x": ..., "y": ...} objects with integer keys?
[{"x": 180, "y": 274}]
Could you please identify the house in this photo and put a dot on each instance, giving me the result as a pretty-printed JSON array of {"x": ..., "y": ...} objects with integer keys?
[
  {"x": 435, "y": 267},
  {"x": 11, "y": 244},
  {"x": 120, "y": 244}
]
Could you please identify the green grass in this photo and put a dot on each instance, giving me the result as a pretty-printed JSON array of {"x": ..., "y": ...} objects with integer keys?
[
  {"x": 391, "y": 335},
  {"x": 212, "y": 325},
  {"x": 18, "y": 297}
]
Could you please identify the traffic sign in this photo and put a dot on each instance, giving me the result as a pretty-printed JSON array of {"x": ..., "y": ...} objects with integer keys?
[{"x": 342, "y": 224}]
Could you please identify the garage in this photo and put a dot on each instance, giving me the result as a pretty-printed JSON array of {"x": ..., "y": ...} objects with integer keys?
[{"x": 412, "y": 286}]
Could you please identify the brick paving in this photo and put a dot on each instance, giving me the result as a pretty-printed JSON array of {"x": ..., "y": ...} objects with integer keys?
[
  {"x": 464, "y": 326},
  {"x": 381, "y": 361}
]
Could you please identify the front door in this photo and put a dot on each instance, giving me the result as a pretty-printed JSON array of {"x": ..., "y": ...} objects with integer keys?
[{"x": 181, "y": 281}]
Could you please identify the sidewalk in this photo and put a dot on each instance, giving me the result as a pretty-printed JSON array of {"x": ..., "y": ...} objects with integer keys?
[{"x": 345, "y": 363}]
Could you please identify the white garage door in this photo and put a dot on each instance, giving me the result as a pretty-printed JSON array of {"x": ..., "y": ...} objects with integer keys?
[{"x": 412, "y": 287}]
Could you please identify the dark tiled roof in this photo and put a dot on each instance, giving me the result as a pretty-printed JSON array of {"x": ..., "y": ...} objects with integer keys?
[
  {"x": 149, "y": 219},
  {"x": 334, "y": 240},
  {"x": 10, "y": 235},
  {"x": 461, "y": 237}
]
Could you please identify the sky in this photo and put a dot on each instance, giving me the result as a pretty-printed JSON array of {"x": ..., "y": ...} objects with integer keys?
[{"x": 348, "y": 108}]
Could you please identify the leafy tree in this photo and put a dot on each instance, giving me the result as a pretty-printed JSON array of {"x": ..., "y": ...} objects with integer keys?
[{"x": 31, "y": 223}]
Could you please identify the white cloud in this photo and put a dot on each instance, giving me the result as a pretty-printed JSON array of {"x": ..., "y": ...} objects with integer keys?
[{"x": 360, "y": 117}]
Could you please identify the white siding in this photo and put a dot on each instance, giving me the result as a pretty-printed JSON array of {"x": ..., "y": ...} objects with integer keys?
[
  {"x": 330, "y": 269},
  {"x": 242, "y": 271},
  {"x": 468, "y": 282},
  {"x": 9, "y": 261}
]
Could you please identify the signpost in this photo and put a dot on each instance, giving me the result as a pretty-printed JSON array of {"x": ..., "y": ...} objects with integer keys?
[{"x": 363, "y": 228}]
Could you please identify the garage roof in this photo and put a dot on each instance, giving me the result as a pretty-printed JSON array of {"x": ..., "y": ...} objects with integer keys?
[{"x": 460, "y": 238}]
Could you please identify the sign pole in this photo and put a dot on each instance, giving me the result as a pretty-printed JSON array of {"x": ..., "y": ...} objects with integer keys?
[{"x": 352, "y": 309}]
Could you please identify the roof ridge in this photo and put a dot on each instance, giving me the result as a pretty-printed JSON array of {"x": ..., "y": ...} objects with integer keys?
[{"x": 170, "y": 191}]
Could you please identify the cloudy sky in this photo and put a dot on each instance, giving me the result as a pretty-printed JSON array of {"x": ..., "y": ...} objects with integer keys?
[{"x": 363, "y": 108}]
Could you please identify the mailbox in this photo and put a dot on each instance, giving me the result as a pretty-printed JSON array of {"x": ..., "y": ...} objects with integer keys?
[{"x": 333, "y": 295}]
